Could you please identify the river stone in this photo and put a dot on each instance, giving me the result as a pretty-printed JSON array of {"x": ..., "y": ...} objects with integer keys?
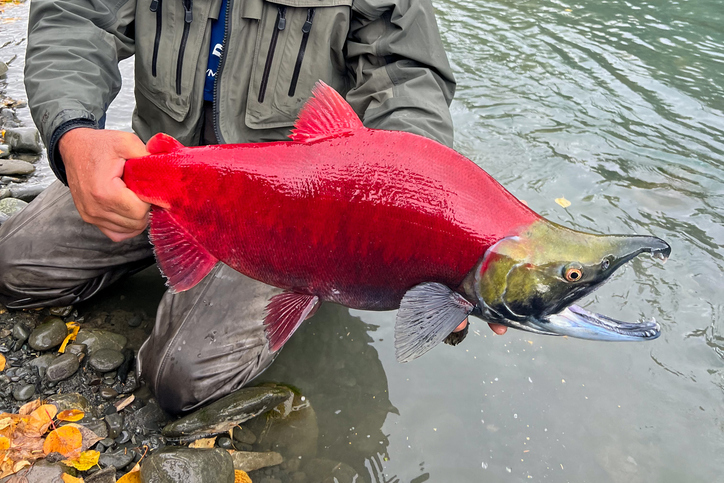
[
  {"x": 27, "y": 191},
  {"x": 49, "y": 334},
  {"x": 43, "y": 362},
  {"x": 4, "y": 151},
  {"x": 115, "y": 424},
  {"x": 23, "y": 392},
  {"x": 23, "y": 139},
  {"x": 290, "y": 429},
  {"x": 108, "y": 392},
  {"x": 174, "y": 464},
  {"x": 96, "y": 339},
  {"x": 243, "y": 435},
  {"x": 250, "y": 460},
  {"x": 41, "y": 472},
  {"x": 227, "y": 412},
  {"x": 20, "y": 332},
  {"x": 15, "y": 166},
  {"x": 149, "y": 418},
  {"x": 62, "y": 311},
  {"x": 118, "y": 459},
  {"x": 3, "y": 68},
  {"x": 70, "y": 401},
  {"x": 76, "y": 349},
  {"x": 106, "y": 475},
  {"x": 4, "y": 193},
  {"x": 328, "y": 471},
  {"x": 10, "y": 206},
  {"x": 105, "y": 360},
  {"x": 62, "y": 367}
]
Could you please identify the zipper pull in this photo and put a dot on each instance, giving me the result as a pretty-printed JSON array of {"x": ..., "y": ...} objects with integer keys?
[
  {"x": 282, "y": 19},
  {"x": 307, "y": 27},
  {"x": 154, "y": 5},
  {"x": 189, "y": 15}
]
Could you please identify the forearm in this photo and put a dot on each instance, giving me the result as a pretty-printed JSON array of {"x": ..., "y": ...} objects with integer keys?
[
  {"x": 403, "y": 80},
  {"x": 71, "y": 69}
]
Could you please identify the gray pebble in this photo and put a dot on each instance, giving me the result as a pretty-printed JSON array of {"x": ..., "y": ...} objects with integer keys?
[
  {"x": 105, "y": 360},
  {"x": 135, "y": 321},
  {"x": 97, "y": 339},
  {"x": 115, "y": 424},
  {"x": 27, "y": 191},
  {"x": 196, "y": 466},
  {"x": 76, "y": 349},
  {"x": 61, "y": 311},
  {"x": 43, "y": 362},
  {"x": 244, "y": 435},
  {"x": 10, "y": 206},
  {"x": 123, "y": 438},
  {"x": 117, "y": 459},
  {"x": 4, "y": 193},
  {"x": 62, "y": 367},
  {"x": 23, "y": 139},
  {"x": 49, "y": 334},
  {"x": 20, "y": 332},
  {"x": 4, "y": 151},
  {"x": 224, "y": 442},
  {"x": 15, "y": 167},
  {"x": 108, "y": 393},
  {"x": 23, "y": 392}
]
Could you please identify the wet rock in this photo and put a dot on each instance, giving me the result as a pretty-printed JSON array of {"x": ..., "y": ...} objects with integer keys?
[
  {"x": 118, "y": 459},
  {"x": 76, "y": 349},
  {"x": 96, "y": 339},
  {"x": 107, "y": 475},
  {"x": 15, "y": 167},
  {"x": 244, "y": 435},
  {"x": 41, "y": 472},
  {"x": 123, "y": 438},
  {"x": 173, "y": 464},
  {"x": 127, "y": 365},
  {"x": 4, "y": 193},
  {"x": 224, "y": 442},
  {"x": 153, "y": 442},
  {"x": 115, "y": 424},
  {"x": 227, "y": 412},
  {"x": 149, "y": 417},
  {"x": 290, "y": 429},
  {"x": 135, "y": 321},
  {"x": 10, "y": 206},
  {"x": 97, "y": 426},
  {"x": 108, "y": 393},
  {"x": 61, "y": 311},
  {"x": 328, "y": 471},
  {"x": 105, "y": 360},
  {"x": 62, "y": 367},
  {"x": 23, "y": 392},
  {"x": 27, "y": 192},
  {"x": 49, "y": 334},
  {"x": 3, "y": 68},
  {"x": 43, "y": 362},
  {"x": 21, "y": 334},
  {"x": 70, "y": 401},
  {"x": 23, "y": 139},
  {"x": 251, "y": 461}
]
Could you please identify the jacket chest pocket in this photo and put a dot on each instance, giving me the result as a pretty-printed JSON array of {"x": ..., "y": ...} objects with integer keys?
[
  {"x": 298, "y": 43},
  {"x": 167, "y": 53}
]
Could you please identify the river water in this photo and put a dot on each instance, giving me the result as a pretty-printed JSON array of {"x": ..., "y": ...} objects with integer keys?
[{"x": 618, "y": 107}]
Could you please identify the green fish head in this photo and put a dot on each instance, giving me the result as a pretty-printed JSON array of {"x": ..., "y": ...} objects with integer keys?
[{"x": 531, "y": 280}]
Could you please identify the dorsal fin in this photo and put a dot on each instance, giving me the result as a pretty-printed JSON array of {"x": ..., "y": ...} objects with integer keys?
[
  {"x": 163, "y": 143},
  {"x": 324, "y": 115}
]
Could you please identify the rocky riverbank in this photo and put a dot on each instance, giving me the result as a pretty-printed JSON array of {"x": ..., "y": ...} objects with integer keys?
[{"x": 83, "y": 362}]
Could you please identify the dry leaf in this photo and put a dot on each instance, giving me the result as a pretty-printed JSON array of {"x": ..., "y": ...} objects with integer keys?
[
  {"x": 20, "y": 465},
  {"x": 240, "y": 477},
  {"x": 28, "y": 408},
  {"x": 40, "y": 420},
  {"x": 85, "y": 461},
  {"x": 65, "y": 440},
  {"x": 563, "y": 202},
  {"x": 203, "y": 443},
  {"x": 71, "y": 479},
  {"x": 73, "y": 328},
  {"x": 89, "y": 437},
  {"x": 120, "y": 405},
  {"x": 4, "y": 443},
  {"x": 5, "y": 421},
  {"x": 71, "y": 415},
  {"x": 133, "y": 476},
  {"x": 2, "y": 362}
]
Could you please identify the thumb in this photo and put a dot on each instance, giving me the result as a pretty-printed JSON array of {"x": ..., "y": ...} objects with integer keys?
[{"x": 131, "y": 146}]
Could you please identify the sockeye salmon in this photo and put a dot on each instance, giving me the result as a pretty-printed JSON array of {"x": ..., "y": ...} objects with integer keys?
[{"x": 375, "y": 220}]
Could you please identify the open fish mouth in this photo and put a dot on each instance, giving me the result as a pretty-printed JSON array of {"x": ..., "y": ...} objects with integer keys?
[{"x": 577, "y": 322}]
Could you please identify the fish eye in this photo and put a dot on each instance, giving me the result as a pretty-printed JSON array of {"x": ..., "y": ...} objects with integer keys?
[
  {"x": 605, "y": 263},
  {"x": 573, "y": 274}
]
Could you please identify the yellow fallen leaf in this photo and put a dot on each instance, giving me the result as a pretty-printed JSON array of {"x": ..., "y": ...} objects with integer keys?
[
  {"x": 133, "y": 476},
  {"x": 2, "y": 362},
  {"x": 71, "y": 479},
  {"x": 28, "y": 408},
  {"x": 563, "y": 202},
  {"x": 40, "y": 420},
  {"x": 20, "y": 465},
  {"x": 4, "y": 443},
  {"x": 203, "y": 443},
  {"x": 73, "y": 328},
  {"x": 241, "y": 477},
  {"x": 5, "y": 422},
  {"x": 65, "y": 440},
  {"x": 85, "y": 461},
  {"x": 71, "y": 415}
]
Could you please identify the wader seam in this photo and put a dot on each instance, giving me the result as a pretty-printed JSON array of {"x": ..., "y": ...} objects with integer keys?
[{"x": 180, "y": 326}]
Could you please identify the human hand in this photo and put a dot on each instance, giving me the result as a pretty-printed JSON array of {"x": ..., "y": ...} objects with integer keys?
[
  {"x": 94, "y": 161},
  {"x": 497, "y": 328}
]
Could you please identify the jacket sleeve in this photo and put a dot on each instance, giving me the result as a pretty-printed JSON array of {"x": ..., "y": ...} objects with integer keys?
[
  {"x": 401, "y": 76},
  {"x": 71, "y": 66}
]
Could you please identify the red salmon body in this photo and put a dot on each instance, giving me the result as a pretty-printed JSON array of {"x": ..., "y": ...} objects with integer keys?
[{"x": 352, "y": 215}]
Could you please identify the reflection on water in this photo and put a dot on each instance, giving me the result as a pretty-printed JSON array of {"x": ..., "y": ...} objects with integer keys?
[{"x": 619, "y": 107}]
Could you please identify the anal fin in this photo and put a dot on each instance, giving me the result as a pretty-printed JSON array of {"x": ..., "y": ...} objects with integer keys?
[
  {"x": 285, "y": 313},
  {"x": 428, "y": 313},
  {"x": 182, "y": 260}
]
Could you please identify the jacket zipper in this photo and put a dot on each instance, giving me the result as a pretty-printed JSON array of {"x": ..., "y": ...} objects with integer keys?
[
  {"x": 156, "y": 7},
  {"x": 278, "y": 27},
  {"x": 188, "y": 17},
  {"x": 306, "y": 28},
  {"x": 217, "y": 81}
]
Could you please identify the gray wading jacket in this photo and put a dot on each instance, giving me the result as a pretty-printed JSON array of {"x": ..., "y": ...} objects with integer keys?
[{"x": 384, "y": 56}]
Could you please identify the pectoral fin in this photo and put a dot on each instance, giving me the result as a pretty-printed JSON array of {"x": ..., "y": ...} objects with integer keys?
[
  {"x": 285, "y": 313},
  {"x": 428, "y": 313}
]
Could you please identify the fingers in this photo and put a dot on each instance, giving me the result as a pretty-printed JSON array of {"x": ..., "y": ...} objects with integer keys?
[
  {"x": 498, "y": 329},
  {"x": 462, "y": 325}
]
